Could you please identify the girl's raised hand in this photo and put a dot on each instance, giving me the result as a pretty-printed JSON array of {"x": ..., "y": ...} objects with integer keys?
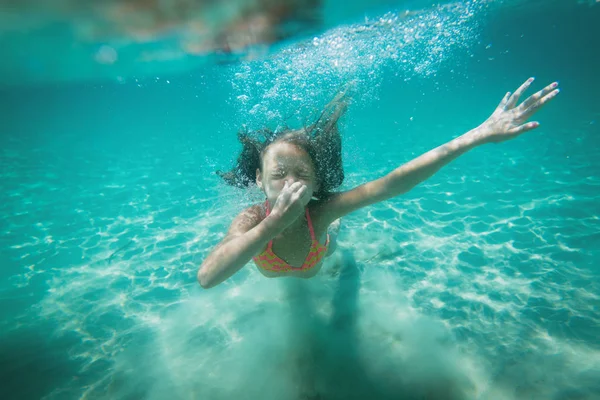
[
  {"x": 289, "y": 206},
  {"x": 509, "y": 119}
]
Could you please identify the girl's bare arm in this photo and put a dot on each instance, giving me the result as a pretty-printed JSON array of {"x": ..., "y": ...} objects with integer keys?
[
  {"x": 507, "y": 122},
  {"x": 248, "y": 235}
]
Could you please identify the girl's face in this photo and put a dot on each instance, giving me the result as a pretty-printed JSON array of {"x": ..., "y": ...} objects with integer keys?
[{"x": 286, "y": 162}]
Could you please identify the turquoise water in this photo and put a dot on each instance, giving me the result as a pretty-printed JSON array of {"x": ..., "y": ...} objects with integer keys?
[{"x": 481, "y": 283}]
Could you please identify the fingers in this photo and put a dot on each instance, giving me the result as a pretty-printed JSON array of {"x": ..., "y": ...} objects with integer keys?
[
  {"x": 296, "y": 191},
  {"x": 299, "y": 193},
  {"x": 291, "y": 191},
  {"x": 502, "y": 104},
  {"x": 535, "y": 97},
  {"x": 285, "y": 191},
  {"x": 294, "y": 187},
  {"x": 523, "y": 128},
  {"x": 514, "y": 99},
  {"x": 543, "y": 96}
]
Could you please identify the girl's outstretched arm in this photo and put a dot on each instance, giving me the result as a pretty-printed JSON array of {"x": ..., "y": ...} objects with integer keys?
[{"x": 507, "y": 122}]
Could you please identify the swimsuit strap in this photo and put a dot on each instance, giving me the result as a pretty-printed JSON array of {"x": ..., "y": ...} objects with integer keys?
[
  {"x": 310, "y": 226},
  {"x": 268, "y": 212}
]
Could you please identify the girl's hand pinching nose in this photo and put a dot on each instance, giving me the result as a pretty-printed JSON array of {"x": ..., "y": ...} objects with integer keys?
[{"x": 288, "y": 206}]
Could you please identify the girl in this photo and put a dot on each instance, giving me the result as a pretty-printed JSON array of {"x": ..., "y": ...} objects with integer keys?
[{"x": 298, "y": 169}]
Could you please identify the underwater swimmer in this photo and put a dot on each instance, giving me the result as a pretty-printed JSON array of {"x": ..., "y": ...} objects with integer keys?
[{"x": 294, "y": 229}]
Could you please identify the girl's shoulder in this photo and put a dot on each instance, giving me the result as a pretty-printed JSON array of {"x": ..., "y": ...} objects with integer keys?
[
  {"x": 317, "y": 206},
  {"x": 248, "y": 219},
  {"x": 256, "y": 212}
]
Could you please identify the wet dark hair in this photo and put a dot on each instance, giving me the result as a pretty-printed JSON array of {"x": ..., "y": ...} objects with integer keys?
[{"x": 321, "y": 141}]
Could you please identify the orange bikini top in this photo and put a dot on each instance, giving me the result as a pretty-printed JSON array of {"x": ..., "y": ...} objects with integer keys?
[{"x": 268, "y": 261}]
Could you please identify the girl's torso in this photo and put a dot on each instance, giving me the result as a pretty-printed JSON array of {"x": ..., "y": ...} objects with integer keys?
[{"x": 298, "y": 251}]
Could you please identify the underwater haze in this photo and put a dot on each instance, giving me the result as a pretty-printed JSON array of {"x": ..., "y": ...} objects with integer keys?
[{"x": 483, "y": 282}]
